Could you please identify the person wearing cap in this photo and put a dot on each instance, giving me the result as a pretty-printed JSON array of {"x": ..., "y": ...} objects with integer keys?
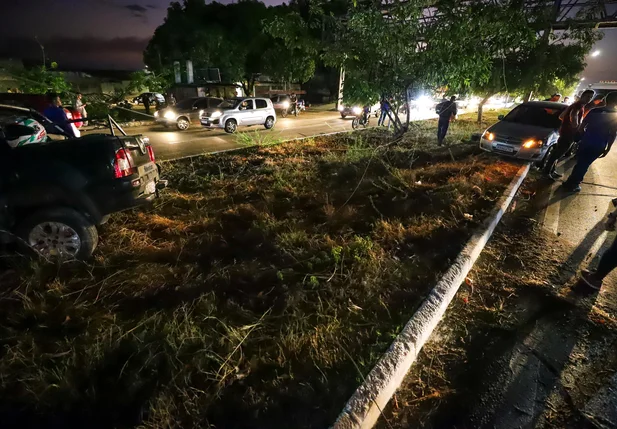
[
  {"x": 599, "y": 129},
  {"x": 571, "y": 119}
]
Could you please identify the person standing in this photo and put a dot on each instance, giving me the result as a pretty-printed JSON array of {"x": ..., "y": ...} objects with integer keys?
[
  {"x": 146, "y": 101},
  {"x": 384, "y": 106},
  {"x": 447, "y": 111},
  {"x": 599, "y": 131},
  {"x": 571, "y": 120},
  {"x": 608, "y": 261},
  {"x": 80, "y": 107},
  {"x": 56, "y": 114}
]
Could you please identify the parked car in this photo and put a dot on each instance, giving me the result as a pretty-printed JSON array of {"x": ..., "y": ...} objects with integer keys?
[
  {"x": 528, "y": 132},
  {"x": 237, "y": 112},
  {"x": 54, "y": 193},
  {"x": 185, "y": 112},
  {"x": 281, "y": 103},
  {"x": 356, "y": 110}
]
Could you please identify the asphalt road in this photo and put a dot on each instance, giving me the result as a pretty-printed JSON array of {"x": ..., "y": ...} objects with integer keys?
[
  {"x": 579, "y": 218},
  {"x": 171, "y": 144}
]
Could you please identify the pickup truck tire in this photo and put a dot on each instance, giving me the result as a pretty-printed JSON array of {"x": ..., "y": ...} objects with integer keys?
[
  {"x": 231, "y": 126},
  {"x": 269, "y": 123},
  {"x": 59, "y": 233}
]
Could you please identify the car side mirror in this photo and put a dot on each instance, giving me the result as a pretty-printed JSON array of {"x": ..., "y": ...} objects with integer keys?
[{"x": 500, "y": 117}]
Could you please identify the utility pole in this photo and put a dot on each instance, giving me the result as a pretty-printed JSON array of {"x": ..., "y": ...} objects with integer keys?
[{"x": 42, "y": 49}]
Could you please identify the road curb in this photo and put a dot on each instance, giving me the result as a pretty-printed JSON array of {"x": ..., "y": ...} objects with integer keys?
[{"x": 364, "y": 407}]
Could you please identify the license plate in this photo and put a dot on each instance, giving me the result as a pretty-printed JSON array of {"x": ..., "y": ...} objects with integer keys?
[
  {"x": 150, "y": 188},
  {"x": 504, "y": 148},
  {"x": 204, "y": 122}
]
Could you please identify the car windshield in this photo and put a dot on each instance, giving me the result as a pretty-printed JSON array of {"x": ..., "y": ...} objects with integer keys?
[
  {"x": 185, "y": 104},
  {"x": 535, "y": 115},
  {"x": 229, "y": 104}
]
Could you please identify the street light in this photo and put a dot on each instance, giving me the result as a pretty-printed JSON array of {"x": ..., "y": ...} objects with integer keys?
[
  {"x": 595, "y": 53},
  {"x": 582, "y": 79}
]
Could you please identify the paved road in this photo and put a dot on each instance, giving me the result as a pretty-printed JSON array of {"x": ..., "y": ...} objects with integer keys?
[
  {"x": 170, "y": 144},
  {"x": 579, "y": 218}
]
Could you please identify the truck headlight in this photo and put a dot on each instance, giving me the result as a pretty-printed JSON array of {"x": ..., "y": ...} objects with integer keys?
[
  {"x": 286, "y": 104},
  {"x": 170, "y": 115},
  {"x": 356, "y": 110},
  {"x": 488, "y": 136},
  {"x": 216, "y": 114}
]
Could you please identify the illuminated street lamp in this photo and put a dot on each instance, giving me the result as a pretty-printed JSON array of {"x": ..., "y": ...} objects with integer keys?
[{"x": 595, "y": 53}]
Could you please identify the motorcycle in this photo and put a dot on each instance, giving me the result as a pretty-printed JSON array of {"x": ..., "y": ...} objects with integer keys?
[{"x": 362, "y": 119}]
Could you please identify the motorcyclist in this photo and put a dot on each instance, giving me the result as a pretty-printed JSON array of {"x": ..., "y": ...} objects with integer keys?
[{"x": 293, "y": 103}]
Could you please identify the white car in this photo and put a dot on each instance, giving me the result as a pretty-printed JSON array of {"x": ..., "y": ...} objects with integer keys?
[{"x": 238, "y": 112}]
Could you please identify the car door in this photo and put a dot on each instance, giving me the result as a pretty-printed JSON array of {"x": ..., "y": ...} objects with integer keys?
[
  {"x": 261, "y": 111},
  {"x": 247, "y": 114},
  {"x": 199, "y": 105}
]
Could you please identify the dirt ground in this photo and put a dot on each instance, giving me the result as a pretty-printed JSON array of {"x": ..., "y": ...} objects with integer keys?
[{"x": 523, "y": 345}]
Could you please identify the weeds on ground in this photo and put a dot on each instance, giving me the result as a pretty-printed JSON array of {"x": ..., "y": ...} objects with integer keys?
[{"x": 238, "y": 300}]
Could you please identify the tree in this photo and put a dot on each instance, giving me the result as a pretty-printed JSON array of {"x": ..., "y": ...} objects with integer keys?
[
  {"x": 41, "y": 80},
  {"x": 228, "y": 37},
  {"x": 539, "y": 61},
  {"x": 401, "y": 51}
]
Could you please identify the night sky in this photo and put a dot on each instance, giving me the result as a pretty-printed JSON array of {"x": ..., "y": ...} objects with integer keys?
[{"x": 112, "y": 34}]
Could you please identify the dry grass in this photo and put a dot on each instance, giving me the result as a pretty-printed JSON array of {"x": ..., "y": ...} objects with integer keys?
[{"x": 237, "y": 300}]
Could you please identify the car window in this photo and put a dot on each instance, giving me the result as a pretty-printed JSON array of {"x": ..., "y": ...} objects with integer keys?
[
  {"x": 229, "y": 104},
  {"x": 202, "y": 104},
  {"x": 246, "y": 105},
  {"x": 260, "y": 104},
  {"x": 213, "y": 102},
  {"x": 535, "y": 115},
  {"x": 185, "y": 104}
]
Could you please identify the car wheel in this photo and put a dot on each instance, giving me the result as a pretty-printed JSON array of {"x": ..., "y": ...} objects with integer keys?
[
  {"x": 231, "y": 126},
  {"x": 542, "y": 163},
  {"x": 269, "y": 123},
  {"x": 59, "y": 233},
  {"x": 183, "y": 124},
  {"x": 355, "y": 123}
]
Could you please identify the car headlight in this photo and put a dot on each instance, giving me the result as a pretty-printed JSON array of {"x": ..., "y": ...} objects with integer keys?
[
  {"x": 216, "y": 114},
  {"x": 341, "y": 108},
  {"x": 286, "y": 104},
  {"x": 201, "y": 113},
  {"x": 488, "y": 136},
  {"x": 356, "y": 110},
  {"x": 156, "y": 114},
  {"x": 170, "y": 115},
  {"x": 532, "y": 143}
]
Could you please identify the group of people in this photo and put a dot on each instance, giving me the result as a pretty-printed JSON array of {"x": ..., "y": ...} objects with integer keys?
[{"x": 594, "y": 126}]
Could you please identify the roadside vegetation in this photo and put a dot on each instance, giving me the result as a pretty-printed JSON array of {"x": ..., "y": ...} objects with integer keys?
[{"x": 256, "y": 293}]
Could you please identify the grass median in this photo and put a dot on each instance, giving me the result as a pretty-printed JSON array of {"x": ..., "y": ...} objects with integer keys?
[{"x": 257, "y": 292}]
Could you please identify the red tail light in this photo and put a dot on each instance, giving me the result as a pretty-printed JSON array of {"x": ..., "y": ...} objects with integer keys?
[
  {"x": 151, "y": 153},
  {"x": 123, "y": 164}
]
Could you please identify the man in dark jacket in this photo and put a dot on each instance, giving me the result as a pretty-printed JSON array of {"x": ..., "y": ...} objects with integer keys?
[{"x": 446, "y": 111}]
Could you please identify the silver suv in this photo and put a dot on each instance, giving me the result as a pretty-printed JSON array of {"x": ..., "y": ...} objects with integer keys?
[{"x": 237, "y": 112}]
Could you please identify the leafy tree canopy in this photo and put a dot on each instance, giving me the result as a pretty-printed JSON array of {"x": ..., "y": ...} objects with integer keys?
[{"x": 41, "y": 80}]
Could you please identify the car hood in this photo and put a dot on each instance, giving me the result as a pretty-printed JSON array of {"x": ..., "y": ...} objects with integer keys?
[{"x": 520, "y": 131}]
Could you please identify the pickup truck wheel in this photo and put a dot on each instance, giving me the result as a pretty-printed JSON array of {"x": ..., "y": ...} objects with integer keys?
[
  {"x": 183, "y": 124},
  {"x": 269, "y": 123},
  {"x": 59, "y": 233},
  {"x": 231, "y": 126}
]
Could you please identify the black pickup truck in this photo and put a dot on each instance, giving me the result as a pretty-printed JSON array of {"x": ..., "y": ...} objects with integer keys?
[{"x": 54, "y": 194}]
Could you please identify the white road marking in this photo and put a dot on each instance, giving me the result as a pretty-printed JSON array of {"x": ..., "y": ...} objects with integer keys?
[{"x": 551, "y": 215}]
